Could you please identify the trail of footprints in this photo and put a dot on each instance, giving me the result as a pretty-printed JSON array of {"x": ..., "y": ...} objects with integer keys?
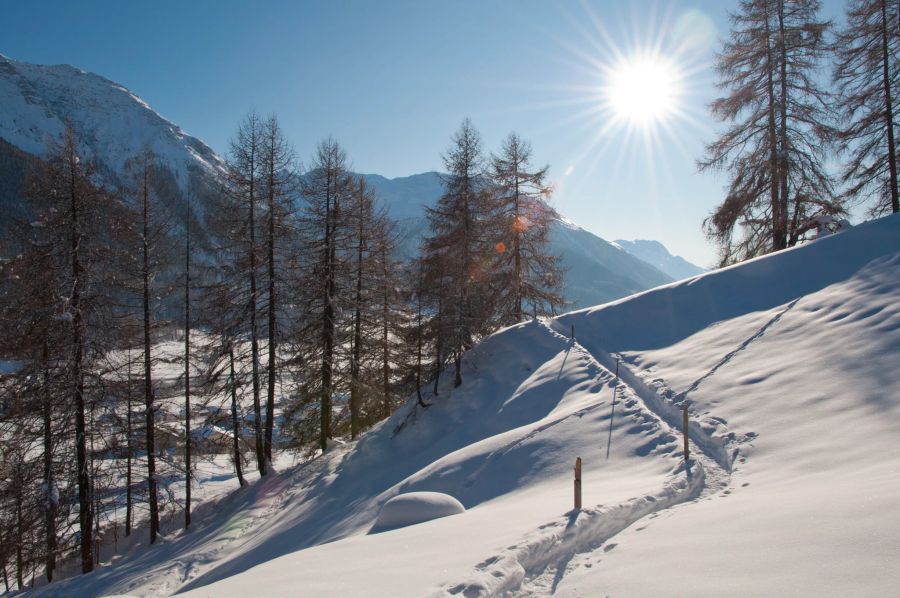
[{"x": 535, "y": 566}]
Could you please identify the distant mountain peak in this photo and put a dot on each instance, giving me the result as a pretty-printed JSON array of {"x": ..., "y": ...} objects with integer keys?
[{"x": 656, "y": 254}]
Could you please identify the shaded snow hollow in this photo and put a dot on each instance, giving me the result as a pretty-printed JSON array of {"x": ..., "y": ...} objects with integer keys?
[{"x": 788, "y": 367}]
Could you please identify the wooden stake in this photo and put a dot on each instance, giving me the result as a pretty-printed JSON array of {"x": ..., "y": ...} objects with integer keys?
[
  {"x": 578, "y": 484},
  {"x": 684, "y": 425}
]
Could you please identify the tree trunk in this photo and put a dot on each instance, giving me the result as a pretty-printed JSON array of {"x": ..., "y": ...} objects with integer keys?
[
  {"x": 97, "y": 505},
  {"x": 129, "y": 448},
  {"x": 85, "y": 522},
  {"x": 187, "y": 373},
  {"x": 517, "y": 248},
  {"x": 889, "y": 108},
  {"x": 385, "y": 340},
  {"x": 20, "y": 536},
  {"x": 236, "y": 434},
  {"x": 49, "y": 483},
  {"x": 254, "y": 333},
  {"x": 463, "y": 295},
  {"x": 270, "y": 243},
  {"x": 328, "y": 314},
  {"x": 357, "y": 340},
  {"x": 439, "y": 345},
  {"x": 783, "y": 163},
  {"x": 778, "y": 233},
  {"x": 149, "y": 414},
  {"x": 419, "y": 333}
]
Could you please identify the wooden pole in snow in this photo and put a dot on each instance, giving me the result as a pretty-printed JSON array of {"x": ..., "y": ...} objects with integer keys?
[
  {"x": 578, "y": 484},
  {"x": 684, "y": 425}
]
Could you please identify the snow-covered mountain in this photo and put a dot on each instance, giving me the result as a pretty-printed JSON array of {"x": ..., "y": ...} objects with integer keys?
[
  {"x": 787, "y": 365},
  {"x": 408, "y": 196},
  {"x": 656, "y": 254},
  {"x": 112, "y": 123}
]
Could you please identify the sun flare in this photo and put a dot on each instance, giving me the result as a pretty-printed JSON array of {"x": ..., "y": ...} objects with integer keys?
[
  {"x": 643, "y": 90},
  {"x": 638, "y": 94}
]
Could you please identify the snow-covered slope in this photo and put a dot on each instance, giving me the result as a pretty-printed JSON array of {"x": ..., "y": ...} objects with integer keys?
[
  {"x": 112, "y": 123},
  {"x": 655, "y": 253},
  {"x": 788, "y": 367}
]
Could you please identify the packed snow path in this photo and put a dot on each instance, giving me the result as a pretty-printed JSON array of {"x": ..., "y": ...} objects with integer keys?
[{"x": 536, "y": 565}]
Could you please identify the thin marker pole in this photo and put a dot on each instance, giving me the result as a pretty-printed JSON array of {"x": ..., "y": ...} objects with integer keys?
[
  {"x": 578, "y": 484},
  {"x": 612, "y": 412}
]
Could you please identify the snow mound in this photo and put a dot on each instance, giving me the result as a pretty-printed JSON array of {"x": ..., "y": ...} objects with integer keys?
[{"x": 415, "y": 507}]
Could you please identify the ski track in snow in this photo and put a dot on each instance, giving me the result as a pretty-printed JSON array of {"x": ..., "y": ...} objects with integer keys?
[{"x": 535, "y": 565}]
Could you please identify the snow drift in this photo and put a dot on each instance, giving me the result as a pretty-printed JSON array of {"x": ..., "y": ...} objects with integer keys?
[{"x": 415, "y": 507}]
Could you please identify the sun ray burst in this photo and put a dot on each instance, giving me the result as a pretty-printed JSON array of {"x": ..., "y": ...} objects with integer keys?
[{"x": 637, "y": 98}]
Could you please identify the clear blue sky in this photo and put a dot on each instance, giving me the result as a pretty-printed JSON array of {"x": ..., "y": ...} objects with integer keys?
[{"x": 392, "y": 80}]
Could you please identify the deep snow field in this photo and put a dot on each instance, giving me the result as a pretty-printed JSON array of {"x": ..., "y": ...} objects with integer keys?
[{"x": 790, "y": 368}]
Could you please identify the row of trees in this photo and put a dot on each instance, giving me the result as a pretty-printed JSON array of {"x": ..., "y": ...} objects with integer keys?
[
  {"x": 485, "y": 261},
  {"x": 79, "y": 288},
  {"x": 298, "y": 321},
  {"x": 783, "y": 119}
]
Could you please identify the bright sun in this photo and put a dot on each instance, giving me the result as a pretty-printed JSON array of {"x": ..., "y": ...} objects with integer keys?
[{"x": 643, "y": 90}]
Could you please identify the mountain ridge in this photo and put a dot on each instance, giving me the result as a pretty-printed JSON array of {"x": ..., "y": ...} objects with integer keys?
[
  {"x": 113, "y": 124},
  {"x": 656, "y": 254}
]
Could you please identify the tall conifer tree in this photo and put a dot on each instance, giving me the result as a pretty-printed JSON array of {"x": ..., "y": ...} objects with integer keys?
[
  {"x": 530, "y": 276},
  {"x": 773, "y": 149},
  {"x": 460, "y": 249},
  {"x": 867, "y": 73}
]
